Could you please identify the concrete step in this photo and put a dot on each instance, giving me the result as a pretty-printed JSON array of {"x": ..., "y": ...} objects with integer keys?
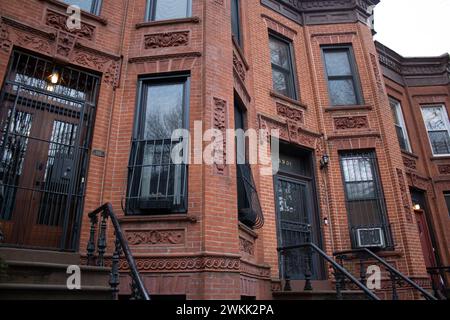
[
  {"x": 19, "y": 291},
  {"x": 318, "y": 295}
]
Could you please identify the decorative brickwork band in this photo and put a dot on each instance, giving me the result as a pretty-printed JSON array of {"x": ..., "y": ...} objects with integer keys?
[
  {"x": 290, "y": 113},
  {"x": 356, "y": 122},
  {"x": 155, "y": 237}
]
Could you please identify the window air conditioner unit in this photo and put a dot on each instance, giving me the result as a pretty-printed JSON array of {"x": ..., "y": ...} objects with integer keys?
[{"x": 370, "y": 238}]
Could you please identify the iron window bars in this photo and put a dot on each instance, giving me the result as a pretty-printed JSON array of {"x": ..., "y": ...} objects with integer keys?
[
  {"x": 46, "y": 131},
  {"x": 155, "y": 183},
  {"x": 364, "y": 195}
]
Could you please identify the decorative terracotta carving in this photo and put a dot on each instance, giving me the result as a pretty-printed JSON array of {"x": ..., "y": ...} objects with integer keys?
[
  {"x": 108, "y": 66},
  {"x": 166, "y": 39},
  {"x": 376, "y": 70},
  {"x": 289, "y": 112},
  {"x": 163, "y": 264},
  {"x": 409, "y": 163},
  {"x": 220, "y": 122},
  {"x": 444, "y": 169},
  {"x": 5, "y": 42},
  {"x": 246, "y": 246},
  {"x": 253, "y": 269},
  {"x": 355, "y": 122},
  {"x": 59, "y": 21},
  {"x": 34, "y": 43},
  {"x": 239, "y": 66},
  {"x": 404, "y": 194},
  {"x": 154, "y": 237},
  {"x": 65, "y": 44}
]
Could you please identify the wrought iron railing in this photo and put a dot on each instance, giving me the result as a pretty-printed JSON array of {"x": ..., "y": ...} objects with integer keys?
[
  {"x": 252, "y": 215},
  {"x": 396, "y": 277},
  {"x": 439, "y": 276},
  {"x": 340, "y": 273},
  {"x": 96, "y": 250}
]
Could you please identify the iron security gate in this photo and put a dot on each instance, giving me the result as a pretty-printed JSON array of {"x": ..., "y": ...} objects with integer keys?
[{"x": 46, "y": 117}]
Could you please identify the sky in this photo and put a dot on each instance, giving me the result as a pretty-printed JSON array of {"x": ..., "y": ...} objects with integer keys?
[{"x": 414, "y": 27}]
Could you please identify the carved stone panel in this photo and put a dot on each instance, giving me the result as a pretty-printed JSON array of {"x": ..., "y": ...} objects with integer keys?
[
  {"x": 290, "y": 113},
  {"x": 155, "y": 237},
  {"x": 220, "y": 123},
  {"x": 354, "y": 122},
  {"x": 404, "y": 193},
  {"x": 444, "y": 169},
  {"x": 59, "y": 21},
  {"x": 409, "y": 163},
  {"x": 239, "y": 66},
  {"x": 5, "y": 42},
  {"x": 246, "y": 246},
  {"x": 166, "y": 39}
]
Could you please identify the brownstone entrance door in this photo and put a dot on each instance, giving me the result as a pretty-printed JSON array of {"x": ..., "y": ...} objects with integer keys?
[
  {"x": 296, "y": 214},
  {"x": 45, "y": 136}
]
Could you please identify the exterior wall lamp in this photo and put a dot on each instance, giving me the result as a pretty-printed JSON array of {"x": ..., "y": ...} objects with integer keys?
[{"x": 324, "y": 161}]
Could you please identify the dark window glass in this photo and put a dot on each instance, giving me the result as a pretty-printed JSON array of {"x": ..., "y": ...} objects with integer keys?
[
  {"x": 282, "y": 71},
  {"x": 447, "y": 200},
  {"x": 156, "y": 183},
  {"x": 236, "y": 20},
  {"x": 168, "y": 9},
  {"x": 92, "y": 6},
  {"x": 343, "y": 85},
  {"x": 249, "y": 208},
  {"x": 364, "y": 196}
]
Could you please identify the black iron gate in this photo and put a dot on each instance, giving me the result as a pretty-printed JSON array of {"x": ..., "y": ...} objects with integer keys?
[{"x": 46, "y": 118}]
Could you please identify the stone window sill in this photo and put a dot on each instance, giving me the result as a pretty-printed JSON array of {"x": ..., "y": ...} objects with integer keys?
[
  {"x": 357, "y": 107},
  {"x": 296, "y": 103},
  {"x": 167, "y": 22}
]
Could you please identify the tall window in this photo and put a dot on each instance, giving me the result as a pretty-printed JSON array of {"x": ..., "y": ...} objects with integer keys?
[
  {"x": 155, "y": 183},
  {"x": 168, "y": 9},
  {"x": 92, "y": 6},
  {"x": 282, "y": 67},
  {"x": 236, "y": 20},
  {"x": 437, "y": 125},
  {"x": 400, "y": 127},
  {"x": 343, "y": 83},
  {"x": 249, "y": 208},
  {"x": 364, "y": 199}
]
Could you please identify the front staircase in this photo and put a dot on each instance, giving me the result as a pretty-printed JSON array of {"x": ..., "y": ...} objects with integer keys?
[{"x": 40, "y": 274}]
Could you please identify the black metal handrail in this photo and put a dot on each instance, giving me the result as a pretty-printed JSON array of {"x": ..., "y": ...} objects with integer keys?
[
  {"x": 121, "y": 245},
  {"x": 394, "y": 273},
  {"x": 441, "y": 289},
  {"x": 339, "y": 271}
]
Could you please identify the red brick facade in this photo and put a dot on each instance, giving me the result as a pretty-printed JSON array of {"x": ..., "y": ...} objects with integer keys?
[{"x": 206, "y": 253}]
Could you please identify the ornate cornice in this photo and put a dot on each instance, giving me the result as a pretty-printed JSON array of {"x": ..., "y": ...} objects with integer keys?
[
  {"x": 414, "y": 71},
  {"x": 310, "y": 12}
]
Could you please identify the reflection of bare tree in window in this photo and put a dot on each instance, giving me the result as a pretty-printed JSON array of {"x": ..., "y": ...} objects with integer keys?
[{"x": 161, "y": 126}]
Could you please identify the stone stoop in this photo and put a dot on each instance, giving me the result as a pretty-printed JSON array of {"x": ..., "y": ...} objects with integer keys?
[{"x": 42, "y": 275}]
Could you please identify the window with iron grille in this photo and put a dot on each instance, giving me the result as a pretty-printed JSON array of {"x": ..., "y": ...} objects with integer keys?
[
  {"x": 342, "y": 76},
  {"x": 400, "y": 127},
  {"x": 155, "y": 183},
  {"x": 91, "y": 6},
  {"x": 236, "y": 20},
  {"x": 438, "y": 127},
  {"x": 249, "y": 207},
  {"x": 168, "y": 9},
  {"x": 283, "y": 78},
  {"x": 364, "y": 195}
]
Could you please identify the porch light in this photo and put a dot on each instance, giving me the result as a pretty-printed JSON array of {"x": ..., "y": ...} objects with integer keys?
[
  {"x": 54, "y": 77},
  {"x": 416, "y": 206},
  {"x": 324, "y": 161}
]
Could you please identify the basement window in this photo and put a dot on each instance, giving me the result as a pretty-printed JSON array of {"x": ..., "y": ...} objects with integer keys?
[
  {"x": 168, "y": 9},
  {"x": 156, "y": 184}
]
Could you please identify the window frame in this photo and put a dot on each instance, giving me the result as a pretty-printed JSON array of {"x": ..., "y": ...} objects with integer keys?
[
  {"x": 447, "y": 204},
  {"x": 236, "y": 21},
  {"x": 292, "y": 87},
  {"x": 379, "y": 197},
  {"x": 139, "y": 129},
  {"x": 399, "y": 111},
  {"x": 150, "y": 10},
  {"x": 95, "y": 6},
  {"x": 354, "y": 70},
  {"x": 447, "y": 126}
]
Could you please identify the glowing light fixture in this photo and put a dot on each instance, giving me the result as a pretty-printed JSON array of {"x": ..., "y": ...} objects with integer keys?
[
  {"x": 416, "y": 206},
  {"x": 54, "y": 77}
]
